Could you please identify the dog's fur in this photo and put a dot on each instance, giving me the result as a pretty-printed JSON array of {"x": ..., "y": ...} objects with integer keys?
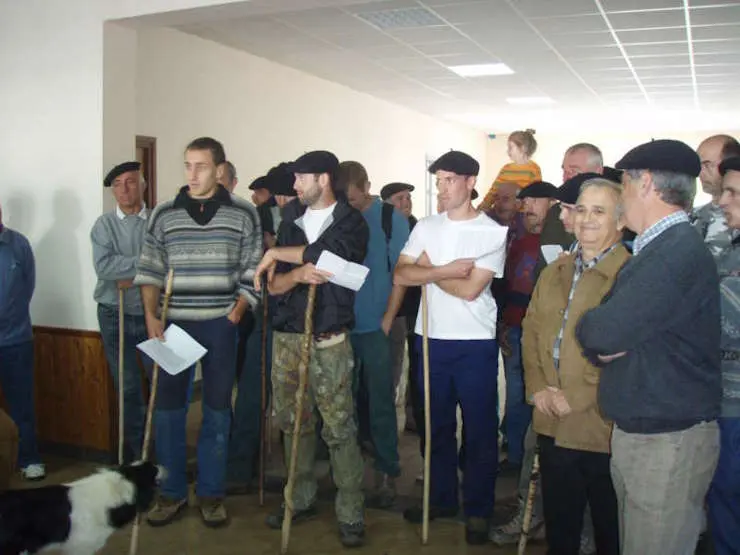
[{"x": 76, "y": 518}]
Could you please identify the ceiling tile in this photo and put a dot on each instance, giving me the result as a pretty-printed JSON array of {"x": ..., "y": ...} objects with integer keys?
[
  {"x": 656, "y": 50},
  {"x": 565, "y": 25},
  {"x": 467, "y": 59},
  {"x": 464, "y": 12},
  {"x": 538, "y": 8},
  {"x": 679, "y": 60},
  {"x": 700, "y": 3},
  {"x": 639, "y": 36},
  {"x": 368, "y": 7},
  {"x": 721, "y": 15},
  {"x": 647, "y": 20},
  {"x": 450, "y": 48},
  {"x": 583, "y": 40},
  {"x": 718, "y": 47},
  {"x": 426, "y": 35},
  {"x": 652, "y": 73},
  {"x": 639, "y": 5},
  {"x": 367, "y": 38},
  {"x": 716, "y": 32},
  {"x": 318, "y": 19}
]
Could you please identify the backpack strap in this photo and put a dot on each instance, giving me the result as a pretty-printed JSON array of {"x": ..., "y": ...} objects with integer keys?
[{"x": 387, "y": 224}]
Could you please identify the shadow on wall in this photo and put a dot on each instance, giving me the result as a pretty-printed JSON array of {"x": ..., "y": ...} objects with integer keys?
[{"x": 58, "y": 265}]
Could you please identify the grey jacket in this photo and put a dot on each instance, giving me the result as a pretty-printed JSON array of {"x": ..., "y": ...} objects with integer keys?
[{"x": 729, "y": 288}]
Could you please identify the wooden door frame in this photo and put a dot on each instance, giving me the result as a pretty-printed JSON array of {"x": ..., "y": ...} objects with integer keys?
[{"x": 149, "y": 144}]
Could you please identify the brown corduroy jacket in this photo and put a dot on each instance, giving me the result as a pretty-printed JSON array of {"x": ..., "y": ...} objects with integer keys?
[{"x": 584, "y": 428}]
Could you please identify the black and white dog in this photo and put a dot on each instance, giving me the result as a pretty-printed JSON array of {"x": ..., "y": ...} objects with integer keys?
[{"x": 78, "y": 517}]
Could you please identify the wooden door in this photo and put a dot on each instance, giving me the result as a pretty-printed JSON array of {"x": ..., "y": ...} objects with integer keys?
[{"x": 146, "y": 153}]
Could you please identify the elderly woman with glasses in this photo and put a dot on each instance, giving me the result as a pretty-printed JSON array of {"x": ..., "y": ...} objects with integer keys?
[{"x": 573, "y": 437}]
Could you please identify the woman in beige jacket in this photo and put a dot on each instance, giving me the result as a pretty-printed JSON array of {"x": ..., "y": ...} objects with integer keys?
[{"x": 573, "y": 437}]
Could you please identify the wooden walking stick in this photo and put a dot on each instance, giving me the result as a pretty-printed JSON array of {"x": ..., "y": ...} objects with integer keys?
[
  {"x": 529, "y": 507},
  {"x": 299, "y": 396},
  {"x": 263, "y": 419},
  {"x": 120, "y": 376},
  {"x": 427, "y": 418},
  {"x": 150, "y": 409}
]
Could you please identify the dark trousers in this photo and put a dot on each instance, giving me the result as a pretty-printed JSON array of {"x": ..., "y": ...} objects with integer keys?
[
  {"x": 416, "y": 400},
  {"x": 724, "y": 493},
  {"x": 570, "y": 479},
  {"x": 244, "y": 444},
  {"x": 465, "y": 373},
  {"x": 375, "y": 399},
  {"x": 16, "y": 379}
]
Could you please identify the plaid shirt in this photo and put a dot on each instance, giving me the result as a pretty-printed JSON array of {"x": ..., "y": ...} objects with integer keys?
[
  {"x": 642, "y": 240},
  {"x": 581, "y": 267}
]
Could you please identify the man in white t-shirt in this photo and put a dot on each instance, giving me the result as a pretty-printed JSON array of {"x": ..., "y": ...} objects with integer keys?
[{"x": 456, "y": 254}]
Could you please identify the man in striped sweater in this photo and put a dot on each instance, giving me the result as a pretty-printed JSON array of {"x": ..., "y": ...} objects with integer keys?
[{"x": 213, "y": 241}]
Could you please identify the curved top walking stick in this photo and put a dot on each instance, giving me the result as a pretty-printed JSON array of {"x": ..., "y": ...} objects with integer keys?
[
  {"x": 120, "y": 376},
  {"x": 427, "y": 418},
  {"x": 263, "y": 396},
  {"x": 134, "y": 547},
  {"x": 300, "y": 394}
]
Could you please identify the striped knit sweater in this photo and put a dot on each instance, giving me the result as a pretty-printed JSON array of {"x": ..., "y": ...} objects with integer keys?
[
  {"x": 521, "y": 174},
  {"x": 214, "y": 261}
]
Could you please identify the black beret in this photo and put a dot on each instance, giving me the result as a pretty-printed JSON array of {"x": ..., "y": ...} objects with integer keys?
[
  {"x": 317, "y": 161},
  {"x": 538, "y": 189},
  {"x": 612, "y": 174},
  {"x": 568, "y": 192},
  {"x": 730, "y": 164},
  {"x": 456, "y": 162},
  {"x": 280, "y": 180},
  {"x": 392, "y": 188},
  {"x": 662, "y": 155},
  {"x": 118, "y": 170},
  {"x": 260, "y": 183}
]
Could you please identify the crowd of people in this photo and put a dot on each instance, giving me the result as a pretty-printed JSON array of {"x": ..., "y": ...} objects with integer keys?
[{"x": 614, "y": 302}]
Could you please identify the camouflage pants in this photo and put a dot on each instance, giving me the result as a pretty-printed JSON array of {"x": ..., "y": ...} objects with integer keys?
[{"x": 329, "y": 389}]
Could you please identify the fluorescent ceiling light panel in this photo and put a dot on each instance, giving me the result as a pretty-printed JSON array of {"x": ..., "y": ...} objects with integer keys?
[
  {"x": 530, "y": 100},
  {"x": 481, "y": 70}
]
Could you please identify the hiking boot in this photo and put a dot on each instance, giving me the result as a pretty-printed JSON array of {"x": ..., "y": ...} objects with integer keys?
[
  {"x": 352, "y": 535},
  {"x": 476, "y": 531},
  {"x": 275, "y": 520},
  {"x": 509, "y": 533},
  {"x": 384, "y": 494},
  {"x": 416, "y": 514},
  {"x": 165, "y": 511},
  {"x": 212, "y": 512}
]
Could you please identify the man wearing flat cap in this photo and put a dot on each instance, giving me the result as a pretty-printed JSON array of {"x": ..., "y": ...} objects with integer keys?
[
  {"x": 117, "y": 238},
  {"x": 724, "y": 494},
  {"x": 657, "y": 337},
  {"x": 455, "y": 254},
  {"x": 323, "y": 222},
  {"x": 246, "y": 427}
]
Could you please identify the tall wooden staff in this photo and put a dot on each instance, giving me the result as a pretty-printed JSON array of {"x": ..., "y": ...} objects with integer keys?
[
  {"x": 120, "y": 376},
  {"x": 263, "y": 404},
  {"x": 150, "y": 409},
  {"x": 300, "y": 394},
  {"x": 529, "y": 507},
  {"x": 427, "y": 419}
]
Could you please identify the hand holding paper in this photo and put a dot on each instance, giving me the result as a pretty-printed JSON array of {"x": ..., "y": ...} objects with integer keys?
[
  {"x": 178, "y": 352},
  {"x": 343, "y": 273}
]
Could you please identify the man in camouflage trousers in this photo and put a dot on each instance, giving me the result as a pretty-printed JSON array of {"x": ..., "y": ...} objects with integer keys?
[{"x": 320, "y": 222}]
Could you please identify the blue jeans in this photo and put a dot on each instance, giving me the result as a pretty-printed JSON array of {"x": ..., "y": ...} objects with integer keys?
[
  {"x": 244, "y": 443},
  {"x": 724, "y": 493},
  {"x": 134, "y": 413},
  {"x": 465, "y": 373},
  {"x": 16, "y": 379},
  {"x": 218, "y": 366},
  {"x": 518, "y": 411}
]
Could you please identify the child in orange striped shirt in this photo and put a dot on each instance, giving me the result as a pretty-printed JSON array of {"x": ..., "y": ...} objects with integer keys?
[{"x": 522, "y": 171}]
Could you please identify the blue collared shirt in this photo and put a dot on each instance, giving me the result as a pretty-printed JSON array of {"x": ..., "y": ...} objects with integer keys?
[
  {"x": 17, "y": 283},
  {"x": 642, "y": 240}
]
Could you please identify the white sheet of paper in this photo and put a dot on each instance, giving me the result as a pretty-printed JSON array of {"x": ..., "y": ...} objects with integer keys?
[
  {"x": 177, "y": 353},
  {"x": 551, "y": 252},
  {"x": 345, "y": 274}
]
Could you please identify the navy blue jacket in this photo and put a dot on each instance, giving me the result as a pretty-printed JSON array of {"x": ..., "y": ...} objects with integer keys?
[{"x": 17, "y": 282}]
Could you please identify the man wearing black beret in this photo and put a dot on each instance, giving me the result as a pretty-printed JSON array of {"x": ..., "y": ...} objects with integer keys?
[
  {"x": 455, "y": 254},
  {"x": 323, "y": 222},
  {"x": 723, "y": 501},
  {"x": 117, "y": 238},
  {"x": 657, "y": 337}
]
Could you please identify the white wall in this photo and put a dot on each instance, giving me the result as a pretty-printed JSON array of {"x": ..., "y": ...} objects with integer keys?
[
  {"x": 265, "y": 113},
  {"x": 551, "y": 148},
  {"x": 51, "y": 109}
]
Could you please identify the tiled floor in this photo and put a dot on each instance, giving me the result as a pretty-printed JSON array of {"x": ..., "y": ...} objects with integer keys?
[{"x": 387, "y": 532}]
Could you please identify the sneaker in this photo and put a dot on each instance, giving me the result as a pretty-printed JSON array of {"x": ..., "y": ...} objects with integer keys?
[
  {"x": 416, "y": 514},
  {"x": 34, "y": 472},
  {"x": 476, "y": 531},
  {"x": 212, "y": 512},
  {"x": 275, "y": 520},
  {"x": 588, "y": 546},
  {"x": 509, "y": 533},
  {"x": 352, "y": 535},
  {"x": 384, "y": 494},
  {"x": 165, "y": 511}
]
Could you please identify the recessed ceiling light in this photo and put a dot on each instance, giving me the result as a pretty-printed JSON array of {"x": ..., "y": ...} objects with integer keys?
[
  {"x": 530, "y": 100},
  {"x": 481, "y": 70}
]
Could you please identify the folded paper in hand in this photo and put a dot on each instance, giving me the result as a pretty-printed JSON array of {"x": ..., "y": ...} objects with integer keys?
[
  {"x": 344, "y": 273},
  {"x": 178, "y": 352},
  {"x": 551, "y": 252}
]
